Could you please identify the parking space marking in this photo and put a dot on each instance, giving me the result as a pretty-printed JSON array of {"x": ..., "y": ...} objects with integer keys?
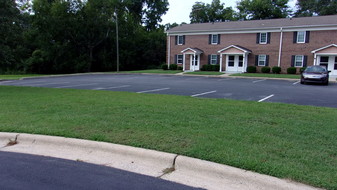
[
  {"x": 69, "y": 86},
  {"x": 154, "y": 90},
  {"x": 201, "y": 94},
  {"x": 296, "y": 82},
  {"x": 259, "y": 81},
  {"x": 266, "y": 98},
  {"x": 124, "y": 86}
]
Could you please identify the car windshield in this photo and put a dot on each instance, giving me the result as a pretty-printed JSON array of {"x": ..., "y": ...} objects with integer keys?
[{"x": 315, "y": 69}]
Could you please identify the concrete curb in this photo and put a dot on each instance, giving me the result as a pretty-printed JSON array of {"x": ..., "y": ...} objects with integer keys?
[{"x": 180, "y": 169}]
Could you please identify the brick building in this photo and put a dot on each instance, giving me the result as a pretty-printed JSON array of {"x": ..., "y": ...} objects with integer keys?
[{"x": 297, "y": 42}]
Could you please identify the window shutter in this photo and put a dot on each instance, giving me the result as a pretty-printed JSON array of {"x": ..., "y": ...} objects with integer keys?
[
  {"x": 210, "y": 39},
  {"x": 258, "y": 38},
  {"x": 183, "y": 39},
  {"x": 218, "y": 59},
  {"x": 307, "y": 36},
  {"x": 305, "y": 61},
  {"x": 219, "y": 37},
  {"x": 209, "y": 59},
  {"x": 176, "y": 59},
  {"x": 256, "y": 60},
  {"x": 292, "y": 60},
  {"x": 268, "y": 38},
  {"x": 267, "y": 60},
  {"x": 295, "y": 38},
  {"x": 176, "y": 38}
]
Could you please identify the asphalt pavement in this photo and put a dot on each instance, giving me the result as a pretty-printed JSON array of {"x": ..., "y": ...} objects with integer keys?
[{"x": 249, "y": 89}]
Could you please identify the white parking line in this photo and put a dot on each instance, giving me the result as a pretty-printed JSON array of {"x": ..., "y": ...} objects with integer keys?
[
  {"x": 210, "y": 92},
  {"x": 266, "y": 98},
  {"x": 124, "y": 86},
  {"x": 296, "y": 82},
  {"x": 154, "y": 90},
  {"x": 76, "y": 85},
  {"x": 259, "y": 80}
]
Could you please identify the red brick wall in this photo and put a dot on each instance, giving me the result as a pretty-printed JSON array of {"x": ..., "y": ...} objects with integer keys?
[{"x": 318, "y": 39}]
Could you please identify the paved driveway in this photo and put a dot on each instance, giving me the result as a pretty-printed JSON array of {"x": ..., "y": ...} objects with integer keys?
[{"x": 259, "y": 90}]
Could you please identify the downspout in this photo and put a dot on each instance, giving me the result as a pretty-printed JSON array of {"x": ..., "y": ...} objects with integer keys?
[
  {"x": 280, "y": 49},
  {"x": 168, "y": 50}
]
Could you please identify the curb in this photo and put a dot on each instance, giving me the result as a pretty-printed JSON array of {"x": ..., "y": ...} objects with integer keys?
[{"x": 172, "y": 167}]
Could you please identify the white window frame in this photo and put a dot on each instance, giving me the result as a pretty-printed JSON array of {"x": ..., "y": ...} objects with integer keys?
[
  {"x": 297, "y": 60},
  {"x": 181, "y": 59},
  {"x": 262, "y": 58},
  {"x": 214, "y": 58},
  {"x": 266, "y": 38},
  {"x": 304, "y": 36},
  {"x": 180, "y": 40},
  {"x": 213, "y": 41}
]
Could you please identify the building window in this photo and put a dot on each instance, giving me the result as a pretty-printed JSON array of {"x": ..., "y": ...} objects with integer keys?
[
  {"x": 214, "y": 59},
  {"x": 215, "y": 39},
  {"x": 240, "y": 61},
  {"x": 180, "y": 40},
  {"x": 231, "y": 59},
  {"x": 298, "y": 61},
  {"x": 195, "y": 60},
  {"x": 262, "y": 60},
  {"x": 180, "y": 59},
  {"x": 301, "y": 37},
  {"x": 324, "y": 61},
  {"x": 335, "y": 67},
  {"x": 263, "y": 38}
]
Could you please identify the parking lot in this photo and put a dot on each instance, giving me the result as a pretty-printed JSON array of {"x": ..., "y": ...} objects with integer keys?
[{"x": 259, "y": 90}]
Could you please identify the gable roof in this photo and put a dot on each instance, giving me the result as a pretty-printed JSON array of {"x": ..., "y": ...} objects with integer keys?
[
  {"x": 285, "y": 23},
  {"x": 320, "y": 49},
  {"x": 195, "y": 50},
  {"x": 245, "y": 50}
]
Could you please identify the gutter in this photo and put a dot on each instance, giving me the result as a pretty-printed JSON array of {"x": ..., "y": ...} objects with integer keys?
[
  {"x": 280, "y": 49},
  {"x": 168, "y": 50}
]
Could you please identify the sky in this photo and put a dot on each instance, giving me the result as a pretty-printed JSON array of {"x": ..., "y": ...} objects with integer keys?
[{"x": 179, "y": 10}]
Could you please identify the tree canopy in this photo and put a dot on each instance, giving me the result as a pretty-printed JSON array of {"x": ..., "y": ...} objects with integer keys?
[{"x": 316, "y": 7}]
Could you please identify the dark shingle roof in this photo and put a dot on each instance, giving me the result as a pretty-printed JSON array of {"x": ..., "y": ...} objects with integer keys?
[{"x": 258, "y": 24}]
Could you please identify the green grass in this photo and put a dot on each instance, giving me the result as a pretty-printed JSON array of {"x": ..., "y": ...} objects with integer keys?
[
  {"x": 289, "y": 76},
  {"x": 204, "y": 73},
  {"x": 155, "y": 71},
  {"x": 17, "y": 77},
  {"x": 286, "y": 141}
]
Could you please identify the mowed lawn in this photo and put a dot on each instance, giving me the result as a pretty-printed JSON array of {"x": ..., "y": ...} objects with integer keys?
[{"x": 286, "y": 141}]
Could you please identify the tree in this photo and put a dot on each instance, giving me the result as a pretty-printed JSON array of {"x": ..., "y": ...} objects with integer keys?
[
  {"x": 214, "y": 12},
  {"x": 316, "y": 7},
  {"x": 263, "y": 9}
]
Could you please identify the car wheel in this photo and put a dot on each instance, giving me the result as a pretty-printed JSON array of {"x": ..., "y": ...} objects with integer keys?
[{"x": 302, "y": 81}]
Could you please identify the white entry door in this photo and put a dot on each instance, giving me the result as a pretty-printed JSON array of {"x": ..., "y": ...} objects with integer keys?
[
  {"x": 194, "y": 63},
  {"x": 234, "y": 63},
  {"x": 330, "y": 62}
]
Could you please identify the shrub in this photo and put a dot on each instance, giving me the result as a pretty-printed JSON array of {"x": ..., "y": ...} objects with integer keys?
[
  {"x": 164, "y": 67},
  {"x": 265, "y": 69},
  {"x": 173, "y": 67},
  {"x": 291, "y": 70},
  {"x": 276, "y": 70},
  {"x": 251, "y": 69},
  {"x": 180, "y": 68},
  {"x": 210, "y": 68},
  {"x": 302, "y": 69}
]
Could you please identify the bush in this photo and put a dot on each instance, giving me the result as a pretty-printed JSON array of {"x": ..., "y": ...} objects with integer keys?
[
  {"x": 173, "y": 67},
  {"x": 276, "y": 70},
  {"x": 302, "y": 69},
  {"x": 180, "y": 68},
  {"x": 164, "y": 67},
  {"x": 291, "y": 70},
  {"x": 210, "y": 68},
  {"x": 265, "y": 69},
  {"x": 251, "y": 69}
]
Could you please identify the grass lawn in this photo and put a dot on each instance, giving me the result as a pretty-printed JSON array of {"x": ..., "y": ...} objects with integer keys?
[
  {"x": 17, "y": 77},
  {"x": 286, "y": 141},
  {"x": 268, "y": 75},
  {"x": 204, "y": 73},
  {"x": 158, "y": 71}
]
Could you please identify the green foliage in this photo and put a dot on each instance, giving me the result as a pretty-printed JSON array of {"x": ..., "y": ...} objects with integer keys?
[
  {"x": 164, "y": 67},
  {"x": 214, "y": 12},
  {"x": 276, "y": 70},
  {"x": 173, "y": 67},
  {"x": 210, "y": 68},
  {"x": 316, "y": 7},
  {"x": 180, "y": 68},
  {"x": 291, "y": 70},
  {"x": 251, "y": 69},
  {"x": 302, "y": 69},
  {"x": 263, "y": 9},
  {"x": 265, "y": 69}
]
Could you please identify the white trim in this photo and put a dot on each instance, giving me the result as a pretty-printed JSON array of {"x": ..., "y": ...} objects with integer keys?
[
  {"x": 265, "y": 60},
  {"x": 328, "y": 46},
  {"x": 234, "y": 46},
  {"x": 182, "y": 41},
  {"x": 261, "y": 38},
  {"x": 217, "y": 37},
  {"x": 301, "y": 61},
  {"x": 216, "y": 59},
  {"x": 304, "y": 37},
  {"x": 191, "y": 49},
  {"x": 280, "y": 48},
  {"x": 169, "y": 51}
]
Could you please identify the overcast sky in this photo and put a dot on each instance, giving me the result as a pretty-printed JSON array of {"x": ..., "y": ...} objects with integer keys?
[{"x": 179, "y": 10}]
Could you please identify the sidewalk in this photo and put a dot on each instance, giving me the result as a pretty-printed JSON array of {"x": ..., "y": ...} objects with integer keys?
[{"x": 181, "y": 169}]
